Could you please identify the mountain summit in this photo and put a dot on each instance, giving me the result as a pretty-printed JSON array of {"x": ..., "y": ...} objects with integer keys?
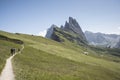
[
  {"x": 70, "y": 32},
  {"x": 73, "y": 27}
]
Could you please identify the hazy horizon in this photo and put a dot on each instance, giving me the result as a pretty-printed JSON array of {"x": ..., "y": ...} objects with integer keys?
[{"x": 36, "y": 16}]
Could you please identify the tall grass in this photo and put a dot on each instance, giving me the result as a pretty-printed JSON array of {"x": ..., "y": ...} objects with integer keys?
[{"x": 34, "y": 64}]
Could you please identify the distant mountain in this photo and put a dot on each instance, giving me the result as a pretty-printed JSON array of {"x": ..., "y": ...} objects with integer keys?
[
  {"x": 118, "y": 44},
  {"x": 50, "y": 31},
  {"x": 73, "y": 27},
  {"x": 44, "y": 56},
  {"x": 71, "y": 32},
  {"x": 104, "y": 40}
]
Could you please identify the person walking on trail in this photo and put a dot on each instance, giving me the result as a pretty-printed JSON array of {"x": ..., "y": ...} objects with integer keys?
[{"x": 12, "y": 51}]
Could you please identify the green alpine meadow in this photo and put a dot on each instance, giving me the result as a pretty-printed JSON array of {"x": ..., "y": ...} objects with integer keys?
[
  {"x": 46, "y": 59},
  {"x": 59, "y": 39}
]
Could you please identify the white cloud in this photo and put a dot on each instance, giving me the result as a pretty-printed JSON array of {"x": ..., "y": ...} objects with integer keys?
[{"x": 43, "y": 33}]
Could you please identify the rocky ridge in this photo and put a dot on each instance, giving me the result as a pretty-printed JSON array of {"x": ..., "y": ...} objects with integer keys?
[
  {"x": 104, "y": 40},
  {"x": 71, "y": 31}
]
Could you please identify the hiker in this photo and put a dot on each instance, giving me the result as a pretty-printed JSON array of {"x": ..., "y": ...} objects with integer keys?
[{"x": 12, "y": 51}]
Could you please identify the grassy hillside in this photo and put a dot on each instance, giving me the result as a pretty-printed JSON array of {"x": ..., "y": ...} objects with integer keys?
[
  {"x": 34, "y": 64},
  {"x": 10, "y": 39},
  {"x": 64, "y": 36},
  {"x": 5, "y": 47},
  {"x": 44, "y": 59}
]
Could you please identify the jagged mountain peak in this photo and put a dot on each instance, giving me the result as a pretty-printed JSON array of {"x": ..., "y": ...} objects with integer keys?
[
  {"x": 73, "y": 21},
  {"x": 50, "y": 31},
  {"x": 71, "y": 31},
  {"x": 53, "y": 25},
  {"x": 73, "y": 27}
]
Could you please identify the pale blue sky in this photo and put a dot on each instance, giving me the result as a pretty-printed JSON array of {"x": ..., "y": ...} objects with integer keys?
[{"x": 34, "y": 16}]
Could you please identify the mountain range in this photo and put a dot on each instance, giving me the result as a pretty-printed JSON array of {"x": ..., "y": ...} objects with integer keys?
[
  {"x": 63, "y": 55},
  {"x": 72, "y": 32},
  {"x": 103, "y": 40}
]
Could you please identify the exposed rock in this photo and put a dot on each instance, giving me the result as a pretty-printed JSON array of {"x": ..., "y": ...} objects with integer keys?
[
  {"x": 56, "y": 35},
  {"x": 62, "y": 27},
  {"x": 117, "y": 44},
  {"x": 73, "y": 27},
  {"x": 71, "y": 32},
  {"x": 103, "y": 40},
  {"x": 50, "y": 31}
]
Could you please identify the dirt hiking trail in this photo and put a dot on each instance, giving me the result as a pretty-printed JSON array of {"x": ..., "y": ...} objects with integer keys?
[{"x": 7, "y": 72}]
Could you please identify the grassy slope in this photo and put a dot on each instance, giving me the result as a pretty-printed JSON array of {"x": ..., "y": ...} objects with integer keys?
[
  {"x": 5, "y": 47},
  {"x": 44, "y": 59},
  {"x": 34, "y": 64}
]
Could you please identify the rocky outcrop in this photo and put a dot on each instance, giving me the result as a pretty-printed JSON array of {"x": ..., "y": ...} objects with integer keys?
[
  {"x": 71, "y": 32},
  {"x": 73, "y": 27},
  {"x": 50, "y": 31}
]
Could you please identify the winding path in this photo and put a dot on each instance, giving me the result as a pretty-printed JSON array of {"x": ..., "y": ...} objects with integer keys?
[{"x": 7, "y": 73}]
